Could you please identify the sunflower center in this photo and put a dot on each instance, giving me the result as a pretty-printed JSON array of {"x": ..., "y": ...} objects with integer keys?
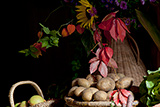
[{"x": 92, "y": 11}]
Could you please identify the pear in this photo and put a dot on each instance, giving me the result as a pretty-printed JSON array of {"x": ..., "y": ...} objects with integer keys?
[
  {"x": 35, "y": 100},
  {"x": 23, "y": 104}
]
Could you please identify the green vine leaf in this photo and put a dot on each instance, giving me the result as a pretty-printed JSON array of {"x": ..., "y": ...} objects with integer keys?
[{"x": 45, "y": 29}]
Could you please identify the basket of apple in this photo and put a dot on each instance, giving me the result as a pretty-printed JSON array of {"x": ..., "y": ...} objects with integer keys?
[{"x": 34, "y": 101}]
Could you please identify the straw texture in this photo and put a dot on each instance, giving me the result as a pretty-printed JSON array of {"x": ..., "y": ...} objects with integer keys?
[
  {"x": 128, "y": 61},
  {"x": 73, "y": 103}
]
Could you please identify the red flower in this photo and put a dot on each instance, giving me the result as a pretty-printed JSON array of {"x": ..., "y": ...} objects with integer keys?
[{"x": 115, "y": 27}]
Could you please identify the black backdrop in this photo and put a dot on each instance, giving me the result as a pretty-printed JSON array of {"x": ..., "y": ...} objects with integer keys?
[{"x": 20, "y": 26}]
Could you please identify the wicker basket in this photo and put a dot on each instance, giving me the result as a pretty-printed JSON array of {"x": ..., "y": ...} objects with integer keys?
[
  {"x": 128, "y": 60},
  {"x": 39, "y": 91},
  {"x": 73, "y": 103}
]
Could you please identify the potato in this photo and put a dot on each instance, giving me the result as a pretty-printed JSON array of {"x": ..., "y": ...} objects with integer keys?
[
  {"x": 75, "y": 82},
  {"x": 90, "y": 79},
  {"x": 100, "y": 96},
  {"x": 124, "y": 82},
  {"x": 78, "y": 91},
  {"x": 106, "y": 84},
  {"x": 114, "y": 76},
  {"x": 108, "y": 94},
  {"x": 121, "y": 75},
  {"x": 71, "y": 91},
  {"x": 87, "y": 94},
  {"x": 98, "y": 77},
  {"x": 83, "y": 82}
]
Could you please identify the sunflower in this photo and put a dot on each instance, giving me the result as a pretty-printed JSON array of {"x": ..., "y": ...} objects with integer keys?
[{"x": 87, "y": 14}]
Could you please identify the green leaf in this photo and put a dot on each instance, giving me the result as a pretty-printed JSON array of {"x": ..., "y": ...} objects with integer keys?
[
  {"x": 22, "y": 51},
  {"x": 45, "y": 29},
  {"x": 33, "y": 49},
  {"x": 88, "y": 42},
  {"x": 53, "y": 33},
  {"x": 142, "y": 88},
  {"x": 150, "y": 72},
  {"x": 149, "y": 25},
  {"x": 44, "y": 43}
]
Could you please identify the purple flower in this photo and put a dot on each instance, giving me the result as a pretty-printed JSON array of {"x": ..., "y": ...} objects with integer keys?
[
  {"x": 111, "y": 1},
  {"x": 93, "y": 11},
  {"x": 108, "y": 1},
  {"x": 112, "y": 8},
  {"x": 117, "y": 3},
  {"x": 67, "y": 1},
  {"x": 143, "y": 2},
  {"x": 133, "y": 20},
  {"x": 107, "y": 6},
  {"x": 103, "y": 1},
  {"x": 152, "y": 0},
  {"x": 123, "y": 5},
  {"x": 127, "y": 21}
]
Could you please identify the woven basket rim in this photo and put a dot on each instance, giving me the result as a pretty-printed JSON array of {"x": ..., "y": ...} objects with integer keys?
[
  {"x": 44, "y": 104},
  {"x": 72, "y": 102}
]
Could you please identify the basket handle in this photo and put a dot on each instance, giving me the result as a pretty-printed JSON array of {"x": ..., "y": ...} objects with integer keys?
[
  {"x": 11, "y": 92},
  {"x": 137, "y": 49}
]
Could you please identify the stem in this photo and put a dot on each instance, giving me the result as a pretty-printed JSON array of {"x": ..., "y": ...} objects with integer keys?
[
  {"x": 52, "y": 12},
  {"x": 94, "y": 47},
  {"x": 113, "y": 68},
  {"x": 65, "y": 24}
]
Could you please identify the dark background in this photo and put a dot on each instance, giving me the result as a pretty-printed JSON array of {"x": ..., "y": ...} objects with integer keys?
[
  {"x": 19, "y": 30},
  {"x": 20, "y": 26}
]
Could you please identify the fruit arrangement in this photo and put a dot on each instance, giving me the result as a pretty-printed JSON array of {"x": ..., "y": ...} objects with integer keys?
[
  {"x": 113, "y": 88},
  {"x": 35, "y": 99}
]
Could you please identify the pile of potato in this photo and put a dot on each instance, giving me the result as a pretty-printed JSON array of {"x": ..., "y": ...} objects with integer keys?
[{"x": 97, "y": 88}]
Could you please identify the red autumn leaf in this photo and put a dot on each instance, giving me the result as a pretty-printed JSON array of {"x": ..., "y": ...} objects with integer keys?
[
  {"x": 97, "y": 37},
  {"x": 109, "y": 51},
  {"x": 71, "y": 28},
  {"x": 125, "y": 92},
  {"x": 109, "y": 16},
  {"x": 113, "y": 30},
  {"x": 79, "y": 29},
  {"x": 107, "y": 35},
  {"x": 97, "y": 52},
  {"x": 64, "y": 32},
  {"x": 103, "y": 69},
  {"x": 106, "y": 25},
  {"x": 39, "y": 46},
  {"x": 112, "y": 63},
  {"x": 40, "y": 34},
  {"x": 120, "y": 30},
  {"x": 116, "y": 98},
  {"x": 120, "y": 95},
  {"x": 123, "y": 25},
  {"x": 122, "y": 98},
  {"x": 112, "y": 93},
  {"x": 105, "y": 54},
  {"x": 93, "y": 66},
  {"x": 93, "y": 59}
]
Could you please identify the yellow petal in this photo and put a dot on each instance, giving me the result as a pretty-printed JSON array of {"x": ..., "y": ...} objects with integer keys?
[
  {"x": 80, "y": 15},
  {"x": 86, "y": 23},
  {"x": 85, "y": 3},
  {"x": 82, "y": 20},
  {"x": 81, "y": 8}
]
